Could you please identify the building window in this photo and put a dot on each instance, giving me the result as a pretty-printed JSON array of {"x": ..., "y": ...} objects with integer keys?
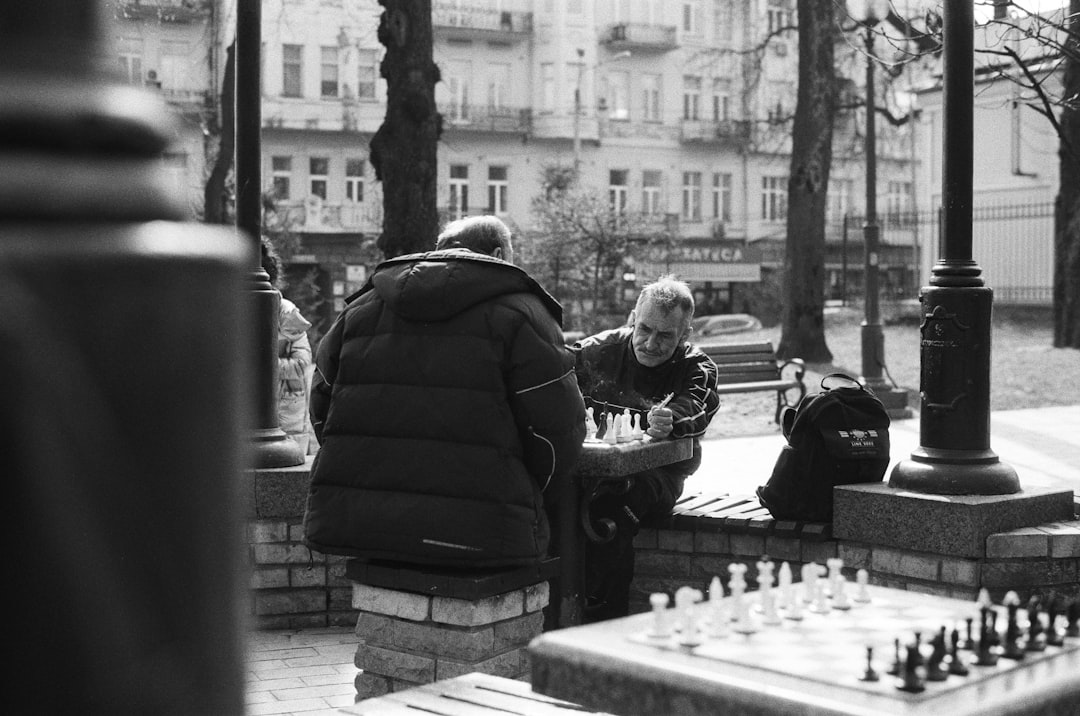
[
  {"x": 328, "y": 77},
  {"x": 354, "y": 179},
  {"x": 691, "y": 97},
  {"x": 130, "y": 52},
  {"x": 650, "y": 86},
  {"x": 618, "y": 95},
  {"x": 456, "y": 81},
  {"x": 691, "y": 17},
  {"x": 618, "y": 191},
  {"x": 691, "y": 196},
  {"x": 281, "y": 168},
  {"x": 776, "y": 16},
  {"x": 725, "y": 21},
  {"x": 774, "y": 198},
  {"x": 721, "y": 196},
  {"x": 459, "y": 191},
  {"x": 367, "y": 73},
  {"x": 650, "y": 192},
  {"x": 721, "y": 100},
  {"x": 292, "y": 70},
  {"x": 547, "y": 87},
  {"x": 898, "y": 204},
  {"x": 840, "y": 193},
  {"x": 173, "y": 68},
  {"x": 318, "y": 169},
  {"x": 498, "y": 89},
  {"x": 498, "y": 186}
]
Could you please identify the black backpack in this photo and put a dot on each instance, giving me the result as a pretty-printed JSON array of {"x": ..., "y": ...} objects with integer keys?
[{"x": 836, "y": 437}]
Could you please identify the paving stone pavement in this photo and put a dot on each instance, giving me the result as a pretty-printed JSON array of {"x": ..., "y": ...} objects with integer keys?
[{"x": 307, "y": 672}]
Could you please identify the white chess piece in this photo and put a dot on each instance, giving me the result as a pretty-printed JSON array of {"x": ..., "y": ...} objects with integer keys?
[
  {"x": 635, "y": 427},
  {"x": 590, "y": 425},
  {"x": 783, "y": 586},
  {"x": 741, "y": 620},
  {"x": 718, "y": 617},
  {"x": 862, "y": 578},
  {"x": 685, "y": 599},
  {"x": 984, "y": 599},
  {"x": 809, "y": 581},
  {"x": 766, "y": 594},
  {"x": 821, "y": 595},
  {"x": 838, "y": 584},
  {"x": 660, "y": 629},
  {"x": 611, "y": 434},
  {"x": 622, "y": 427}
]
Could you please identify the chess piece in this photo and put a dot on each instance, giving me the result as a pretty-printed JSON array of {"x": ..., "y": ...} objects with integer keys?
[
  {"x": 956, "y": 662},
  {"x": 912, "y": 682},
  {"x": 718, "y": 621},
  {"x": 1054, "y": 635},
  {"x": 984, "y": 651},
  {"x": 834, "y": 565},
  {"x": 917, "y": 654},
  {"x": 821, "y": 597},
  {"x": 660, "y": 628},
  {"x": 611, "y": 435},
  {"x": 765, "y": 593},
  {"x": 934, "y": 669},
  {"x": 869, "y": 674},
  {"x": 622, "y": 427},
  {"x": 1013, "y": 649},
  {"x": 862, "y": 578},
  {"x": 740, "y": 608},
  {"x": 894, "y": 670},
  {"x": 967, "y": 643},
  {"x": 590, "y": 426},
  {"x": 840, "y": 597},
  {"x": 783, "y": 586},
  {"x": 1036, "y": 636},
  {"x": 1072, "y": 615},
  {"x": 809, "y": 574},
  {"x": 685, "y": 599},
  {"x": 635, "y": 427},
  {"x": 984, "y": 599}
]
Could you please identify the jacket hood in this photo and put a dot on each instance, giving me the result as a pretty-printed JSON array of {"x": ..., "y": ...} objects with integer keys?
[
  {"x": 291, "y": 323},
  {"x": 438, "y": 285}
]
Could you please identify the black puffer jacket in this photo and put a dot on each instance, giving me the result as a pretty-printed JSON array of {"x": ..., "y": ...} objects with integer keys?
[{"x": 447, "y": 409}]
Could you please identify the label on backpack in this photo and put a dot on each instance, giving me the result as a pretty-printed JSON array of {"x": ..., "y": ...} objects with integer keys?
[{"x": 856, "y": 443}]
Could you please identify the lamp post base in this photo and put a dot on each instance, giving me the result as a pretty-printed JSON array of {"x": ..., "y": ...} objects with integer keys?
[
  {"x": 271, "y": 447},
  {"x": 938, "y": 471}
]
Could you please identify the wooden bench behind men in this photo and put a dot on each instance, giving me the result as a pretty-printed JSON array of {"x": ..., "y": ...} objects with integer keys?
[{"x": 754, "y": 367}]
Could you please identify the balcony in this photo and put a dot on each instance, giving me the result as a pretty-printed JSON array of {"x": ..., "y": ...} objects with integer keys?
[
  {"x": 184, "y": 101},
  {"x": 731, "y": 132},
  {"x": 164, "y": 11},
  {"x": 476, "y": 23},
  {"x": 482, "y": 118},
  {"x": 639, "y": 37}
]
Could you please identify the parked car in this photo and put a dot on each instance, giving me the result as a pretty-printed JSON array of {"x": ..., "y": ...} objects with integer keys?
[{"x": 724, "y": 324}]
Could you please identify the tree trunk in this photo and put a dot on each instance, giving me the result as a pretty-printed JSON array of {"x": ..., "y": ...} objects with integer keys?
[
  {"x": 403, "y": 151},
  {"x": 802, "y": 315},
  {"x": 1067, "y": 220},
  {"x": 215, "y": 195}
]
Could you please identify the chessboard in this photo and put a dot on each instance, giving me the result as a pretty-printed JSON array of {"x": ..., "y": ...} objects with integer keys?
[{"x": 872, "y": 656}]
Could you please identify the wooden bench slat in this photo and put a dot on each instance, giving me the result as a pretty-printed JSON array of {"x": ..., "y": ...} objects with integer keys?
[
  {"x": 751, "y": 387},
  {"x": 725, "y": 359},
  {"x": 721, "y": 348}
]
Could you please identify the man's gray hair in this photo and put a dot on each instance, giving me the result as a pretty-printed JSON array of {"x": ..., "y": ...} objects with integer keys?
[
  {"x": 668, "y": 293},
  {"x": 482, "y": 234}
]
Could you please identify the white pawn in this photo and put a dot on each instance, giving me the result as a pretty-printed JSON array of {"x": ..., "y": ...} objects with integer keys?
[
  {"x": 783, "y": 586},
  {"x": 809, "y": 581},
  {"x": 838, "y": 584},
  {"x": 862, "y": 578},
  {"x": 611, "y": 434},
  {"x": 660, "y": 629},
  {"x": 718, "y": 618},
  {"x": 821, "y": 595},
  {"x": 685, "y": 599},
  {"x": 635, "y": 427},
  {"x": 795, "y": 609},
  {"x": 739, "y": 606},
  {"x": 984, "y": 599},
  {"x": 622, "y": 427},
  {"x": 590, "y": 425}
]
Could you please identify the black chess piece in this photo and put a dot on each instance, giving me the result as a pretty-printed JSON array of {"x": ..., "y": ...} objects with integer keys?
[
  {"x": 1054, "y": 635},
  {"x": 967, "y": 643},
  {"x": 894, "y": 670},
  {"x": 934, "y": 670},
  {"x": 912, "y": 682},
  {"x": 1036, "y": 637},
  {"x": 869, "y": 674},
  {"x": 1072, "y": 616},
  {"x": 986, "y": 654},
  {"x": 919, "y": 660},
  {"x": 956, "y": 662},
  {"x": 1013, "y": 649}
]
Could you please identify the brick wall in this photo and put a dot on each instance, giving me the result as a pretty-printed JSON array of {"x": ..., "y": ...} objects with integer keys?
[
  {"x": 291, "y": 587},
  {"x": 1043, "y": 559}
]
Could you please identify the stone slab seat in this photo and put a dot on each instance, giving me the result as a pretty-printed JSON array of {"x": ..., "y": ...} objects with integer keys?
[
  {"x": 753, "y": 367},
  {"x": 457, "y": 583},
  {"x": 734, "y": 514}
]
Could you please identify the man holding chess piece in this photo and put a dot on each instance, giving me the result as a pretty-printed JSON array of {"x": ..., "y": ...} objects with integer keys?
[
  {"x": 446, "y": 408},
  {"x": 648, "y": 368}
]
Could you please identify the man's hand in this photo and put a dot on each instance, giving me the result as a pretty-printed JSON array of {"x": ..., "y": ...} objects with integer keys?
[{"x": 661, "y": 421}]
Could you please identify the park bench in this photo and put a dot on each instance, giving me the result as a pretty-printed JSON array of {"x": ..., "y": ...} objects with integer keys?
[{"x": 753, "y": 367}]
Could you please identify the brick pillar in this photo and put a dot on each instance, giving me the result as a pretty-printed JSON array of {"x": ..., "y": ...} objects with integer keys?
[{"x": 407, "y": 638}]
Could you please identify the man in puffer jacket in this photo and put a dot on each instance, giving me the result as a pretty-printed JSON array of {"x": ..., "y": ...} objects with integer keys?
[{"x": 447, "y": 410}]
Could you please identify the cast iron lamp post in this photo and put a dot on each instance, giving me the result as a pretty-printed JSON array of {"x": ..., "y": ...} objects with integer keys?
[
  {"x": 577, "y": 101},
  {"x": 870, "y": 13},
  {"x": 954, "y": 455}
]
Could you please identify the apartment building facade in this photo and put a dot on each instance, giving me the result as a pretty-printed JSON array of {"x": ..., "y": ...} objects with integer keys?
[{"x": 677, "y": 111}]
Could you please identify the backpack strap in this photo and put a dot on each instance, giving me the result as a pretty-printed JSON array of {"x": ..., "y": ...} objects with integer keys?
[{"x": 851, "y": 382}]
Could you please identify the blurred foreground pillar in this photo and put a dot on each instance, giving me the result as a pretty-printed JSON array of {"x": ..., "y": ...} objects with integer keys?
[{"x": 126, "y": 351}]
